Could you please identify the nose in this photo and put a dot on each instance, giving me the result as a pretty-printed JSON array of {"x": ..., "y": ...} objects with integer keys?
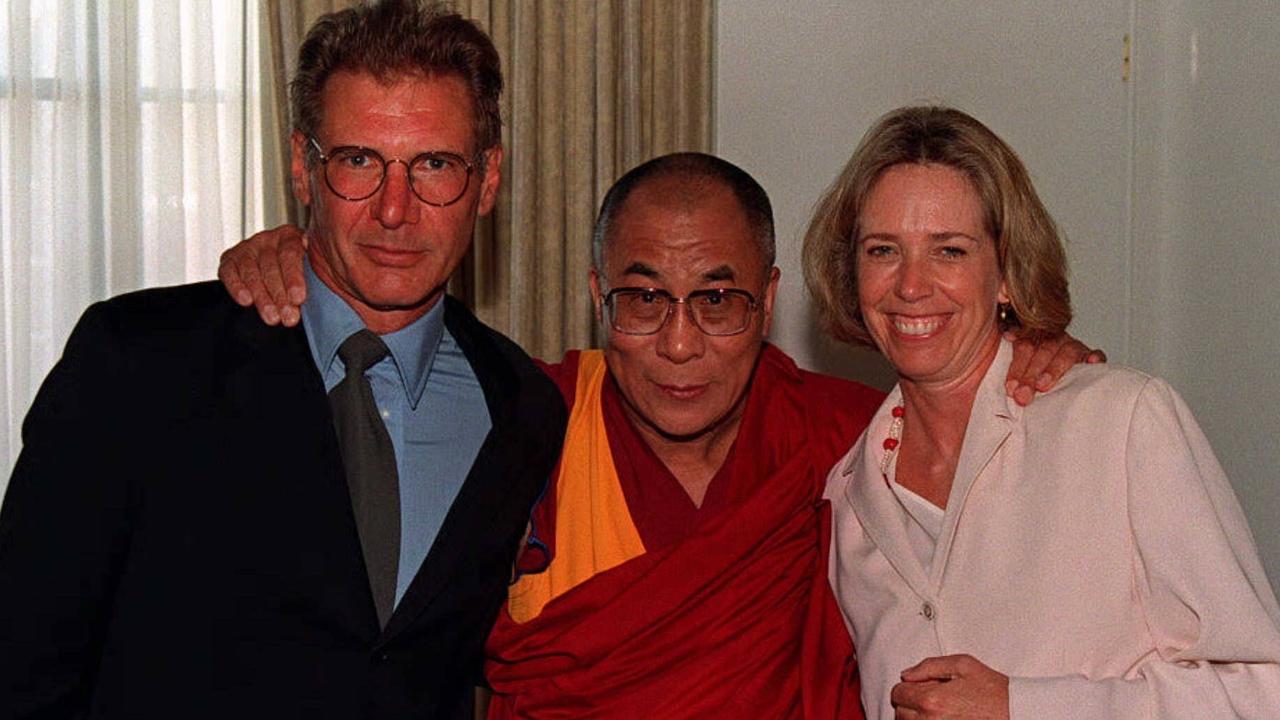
[
  {"x": 680, "y": 340},
  {"x": 913, "y": 281},
  {"x": 395, "y": 204}
]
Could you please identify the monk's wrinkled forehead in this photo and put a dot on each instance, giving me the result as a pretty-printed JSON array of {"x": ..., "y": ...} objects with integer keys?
[
  {"x": 684, "y": 193},
  {"x": 693, "y": 221}
]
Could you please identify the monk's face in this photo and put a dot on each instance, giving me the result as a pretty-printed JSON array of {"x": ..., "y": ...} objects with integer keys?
[{"x": 681, "y": 382}]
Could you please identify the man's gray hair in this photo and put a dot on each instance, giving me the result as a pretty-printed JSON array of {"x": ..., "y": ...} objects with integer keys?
[{"x": 391, "y": 38}]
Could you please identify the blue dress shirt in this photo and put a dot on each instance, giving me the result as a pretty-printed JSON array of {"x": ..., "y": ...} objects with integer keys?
[{"x": 430, "y": 400}]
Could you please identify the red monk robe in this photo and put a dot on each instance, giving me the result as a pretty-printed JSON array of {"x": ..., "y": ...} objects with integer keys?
[{"x": 654, "y": 608}]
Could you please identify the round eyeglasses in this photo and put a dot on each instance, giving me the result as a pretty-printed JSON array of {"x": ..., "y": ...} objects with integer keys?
[
  {"x": 643, "y": 311},
  {"x": 356, "y": 173}
]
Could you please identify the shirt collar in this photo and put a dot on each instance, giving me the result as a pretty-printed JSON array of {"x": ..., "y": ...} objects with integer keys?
[{"x": 329, "y": 321}]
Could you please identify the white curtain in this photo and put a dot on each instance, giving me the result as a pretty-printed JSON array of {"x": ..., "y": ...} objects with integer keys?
[{"x": 122, "y": 164}]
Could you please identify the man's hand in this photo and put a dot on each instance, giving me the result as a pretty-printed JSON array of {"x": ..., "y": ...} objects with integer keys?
[
  {"x": 957, "y": 687},
  {"x": 1036, "y": 367},
  {"x": 266, "y": 271}
]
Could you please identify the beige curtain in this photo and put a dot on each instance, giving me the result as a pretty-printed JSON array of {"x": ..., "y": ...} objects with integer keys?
[
  {"x": 282, "y": 25},
  {"x": 593, "y": 88}
]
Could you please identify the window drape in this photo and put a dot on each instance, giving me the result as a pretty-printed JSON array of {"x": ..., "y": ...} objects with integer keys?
[
  {"x": 594, "y": 88},
  {"x": 121, "y": 165},
  {"x": 283, "y": 27}
]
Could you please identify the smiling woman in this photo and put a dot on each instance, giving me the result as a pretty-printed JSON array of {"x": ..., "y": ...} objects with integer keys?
[
  {"x": 1103, "y": 567},
  {"x": 928, "y": 277}
]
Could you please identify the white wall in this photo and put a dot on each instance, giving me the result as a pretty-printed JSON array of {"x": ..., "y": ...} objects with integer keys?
[
  {"x": 1166, "y": 184},
  {"x": 1206, "y": 240}
]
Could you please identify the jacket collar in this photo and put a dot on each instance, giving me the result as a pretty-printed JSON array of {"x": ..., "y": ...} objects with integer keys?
[
  {"x": 274, "y": 369},
  {"x": 482, "y": 495},
  {"x": 329, "y": 321},
  {"x": 991, "y": 421}
]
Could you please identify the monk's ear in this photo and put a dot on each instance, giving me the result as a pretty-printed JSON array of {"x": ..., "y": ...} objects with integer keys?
[
  {"x": 597, "y": 299},
  {"x": 766, "y": 302}
]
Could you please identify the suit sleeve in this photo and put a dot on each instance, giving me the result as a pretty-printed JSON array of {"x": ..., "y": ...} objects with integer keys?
[
  {"x": 1212, "y": 615},
  {"x": 63, "y": 531},
  {"x": 540, "y": 543}
]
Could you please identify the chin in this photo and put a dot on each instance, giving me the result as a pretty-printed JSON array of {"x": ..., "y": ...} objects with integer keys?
[
  {"x": 913, "y": 368},
  {"x": 674, "y": 424},
  {"x": 684, "y": 433},
  {"x": 687, "y": 425},
  {"x": 396, "y": 296}
]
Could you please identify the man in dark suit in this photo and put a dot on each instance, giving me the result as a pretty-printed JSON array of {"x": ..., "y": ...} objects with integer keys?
[{"x": 215, "y": 518}]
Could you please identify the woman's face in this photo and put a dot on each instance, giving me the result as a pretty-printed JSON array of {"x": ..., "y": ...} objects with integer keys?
[{"x": 928, "y": 277}]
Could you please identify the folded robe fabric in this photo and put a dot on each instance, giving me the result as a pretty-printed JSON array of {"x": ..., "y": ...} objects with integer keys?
[
  {"x": 735, "y": 619},
  {"x": 591, "y": 516}
]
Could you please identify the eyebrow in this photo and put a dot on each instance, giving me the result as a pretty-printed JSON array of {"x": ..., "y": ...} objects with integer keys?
[
  {"x": 639, "y": 268},
  {"x": 719, "y": 273},
  {"x": 343, "y": 145},
  {"x": 723, "y": 272},
  {"x": 936, "y": 237}
]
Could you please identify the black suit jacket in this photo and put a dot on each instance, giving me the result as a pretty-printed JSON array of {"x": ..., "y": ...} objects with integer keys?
[{"x": 177, "y": 538}]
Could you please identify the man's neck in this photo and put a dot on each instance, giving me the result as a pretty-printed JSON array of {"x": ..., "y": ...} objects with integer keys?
[
  {"x": 693, "y": 461},
  {"x": 385, "y": 322}
]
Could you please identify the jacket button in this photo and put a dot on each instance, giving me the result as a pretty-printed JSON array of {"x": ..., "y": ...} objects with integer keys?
[
  {"x": 927, "y": 611},
  {"x": 382, "y": 657}
]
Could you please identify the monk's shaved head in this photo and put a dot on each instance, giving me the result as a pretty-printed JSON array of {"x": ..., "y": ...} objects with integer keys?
[{"x": 681, "y": 181}]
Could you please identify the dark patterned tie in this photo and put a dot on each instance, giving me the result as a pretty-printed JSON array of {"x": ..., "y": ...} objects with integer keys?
[{"x": 370, "y": 462}]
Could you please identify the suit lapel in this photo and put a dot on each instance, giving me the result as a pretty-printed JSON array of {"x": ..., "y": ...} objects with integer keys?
[
  {"x": 881, "y": 515},
  {"x": 482, "y": 493},
  {"x": 874, "y": 503},
  {"x": 990, "y": 424},
  {"x": 274, "y": 386},
  {"x": 269, "y": 365}
]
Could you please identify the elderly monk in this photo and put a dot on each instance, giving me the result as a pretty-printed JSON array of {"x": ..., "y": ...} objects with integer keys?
[{"x": 682, "y": 540}]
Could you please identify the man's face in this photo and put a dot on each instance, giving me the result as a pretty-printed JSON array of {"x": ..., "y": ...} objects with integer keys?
[
  {"x": 679, "y": 382},
  {"x": 390, "y": 255}
]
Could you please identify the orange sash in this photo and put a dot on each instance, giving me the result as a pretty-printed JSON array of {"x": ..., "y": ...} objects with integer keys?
[{"x": 593, "y": 528}]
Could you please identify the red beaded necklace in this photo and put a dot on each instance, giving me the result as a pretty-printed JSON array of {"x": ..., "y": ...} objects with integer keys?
[{"x": 891, "y": 442}]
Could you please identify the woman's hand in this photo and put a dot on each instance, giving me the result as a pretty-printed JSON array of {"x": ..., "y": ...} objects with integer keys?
[
  {"x": 1037, "y": 366},
  {"x": 957, "y": 687},
  {"x": 266, "y": 271}
]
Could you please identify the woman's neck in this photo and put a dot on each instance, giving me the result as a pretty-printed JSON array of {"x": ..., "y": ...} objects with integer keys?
[{"x": 937, "y": 417}]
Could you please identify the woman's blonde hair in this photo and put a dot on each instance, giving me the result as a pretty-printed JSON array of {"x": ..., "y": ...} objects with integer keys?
[{"x": 1031, "y": 258}]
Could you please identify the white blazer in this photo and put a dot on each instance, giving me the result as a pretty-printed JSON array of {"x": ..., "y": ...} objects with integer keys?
[{"x": 1092, "y": 549}]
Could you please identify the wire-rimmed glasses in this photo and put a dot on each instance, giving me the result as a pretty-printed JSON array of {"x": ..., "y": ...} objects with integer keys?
[
  {"x": 355, "y": 173},
  {"x": 643, "y": 311}
]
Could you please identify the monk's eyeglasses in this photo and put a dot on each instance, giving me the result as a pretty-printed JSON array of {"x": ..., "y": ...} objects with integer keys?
[{"x": 644, "y": 311}]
